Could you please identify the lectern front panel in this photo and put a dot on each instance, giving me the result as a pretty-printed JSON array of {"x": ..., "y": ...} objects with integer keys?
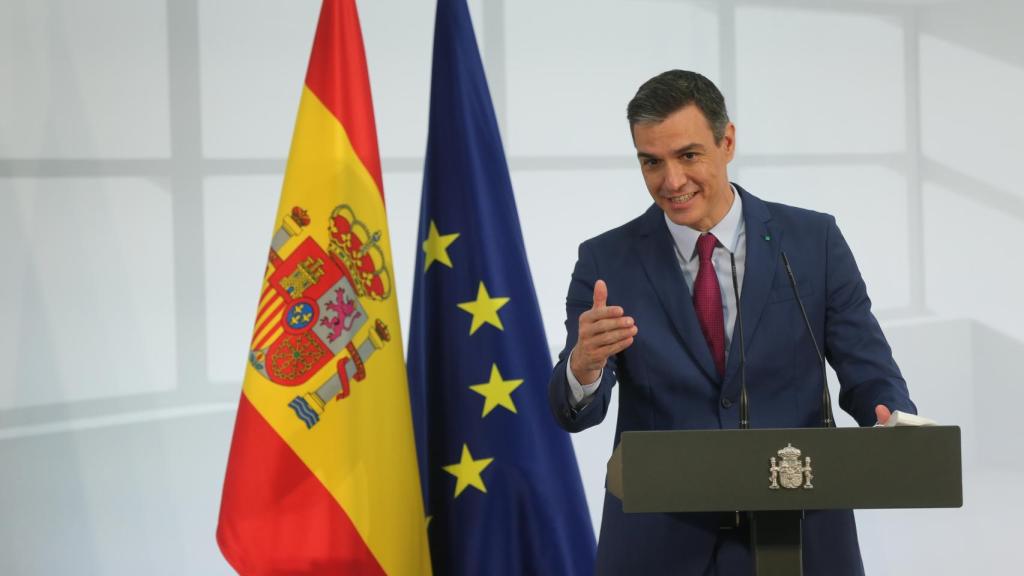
[{"x": 791, "y": 469}]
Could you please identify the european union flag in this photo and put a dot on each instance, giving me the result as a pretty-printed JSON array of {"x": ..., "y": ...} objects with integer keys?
[{"x": 501, "y": 483}]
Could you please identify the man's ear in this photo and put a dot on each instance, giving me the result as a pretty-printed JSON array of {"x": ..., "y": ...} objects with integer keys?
[{"x": 728, "y": 142}]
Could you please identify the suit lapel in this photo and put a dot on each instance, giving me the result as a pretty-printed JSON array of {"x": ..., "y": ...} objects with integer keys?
[
  {"x": 762, "y": 260},
  {"x": 658, "y": 258}
]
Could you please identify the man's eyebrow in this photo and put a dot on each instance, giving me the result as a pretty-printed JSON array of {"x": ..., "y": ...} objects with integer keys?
[{"x": 694, "y": 147}]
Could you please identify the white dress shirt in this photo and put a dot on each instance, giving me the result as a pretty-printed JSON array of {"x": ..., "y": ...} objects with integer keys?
[{"x": 731, "y": 234}]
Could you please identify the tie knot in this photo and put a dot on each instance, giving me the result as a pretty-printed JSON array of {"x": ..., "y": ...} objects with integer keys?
[{"x": 705, "y": 246}]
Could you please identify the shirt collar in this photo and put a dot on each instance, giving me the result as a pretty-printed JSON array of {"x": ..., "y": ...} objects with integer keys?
[{"x": 727, "y": 231}]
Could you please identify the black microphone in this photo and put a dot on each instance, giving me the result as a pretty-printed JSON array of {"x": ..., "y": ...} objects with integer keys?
[
  {"x": 826, "y": 398},
  {"x": 744, "y": 405}
]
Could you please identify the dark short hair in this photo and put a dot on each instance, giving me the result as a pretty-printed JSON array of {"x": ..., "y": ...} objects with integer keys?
[{"x": 669, "y": 91}]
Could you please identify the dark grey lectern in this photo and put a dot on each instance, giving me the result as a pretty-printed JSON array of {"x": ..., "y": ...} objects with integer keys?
[{"x": 776, "y": 474}]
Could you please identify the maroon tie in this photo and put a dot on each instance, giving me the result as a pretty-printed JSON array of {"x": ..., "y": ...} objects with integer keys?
[{"x": 707, "y": 300}]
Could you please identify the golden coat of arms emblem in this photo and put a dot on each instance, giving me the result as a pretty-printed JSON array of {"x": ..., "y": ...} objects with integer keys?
[{"x": 788, "y": 471}]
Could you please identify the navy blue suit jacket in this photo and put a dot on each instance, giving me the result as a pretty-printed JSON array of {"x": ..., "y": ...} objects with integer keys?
[{"x": 667, "y": 378}]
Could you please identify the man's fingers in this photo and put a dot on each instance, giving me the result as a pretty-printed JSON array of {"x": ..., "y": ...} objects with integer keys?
[
  {"x": 595, "y": 315},
  {"x": 600, "y": 295},
  {"x": 616, "y": 347},
  {"x": 597, "y": 349},
  {"x": 606, "y": 337},
  {"x": 882, "y": 414},
  {"x": 595, "y": 326},
  {"x": 603, "y": 331},
  {"x": 597, "y": 358}
]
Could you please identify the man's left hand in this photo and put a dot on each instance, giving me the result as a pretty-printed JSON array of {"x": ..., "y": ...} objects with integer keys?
[{"x": 882, "y": 414}]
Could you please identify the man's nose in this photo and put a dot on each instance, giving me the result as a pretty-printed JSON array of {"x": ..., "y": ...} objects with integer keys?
[{"x": 675, "y": 176}]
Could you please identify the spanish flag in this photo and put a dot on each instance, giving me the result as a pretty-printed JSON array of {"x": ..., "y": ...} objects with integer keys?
[{"x": 322, "y": 476}]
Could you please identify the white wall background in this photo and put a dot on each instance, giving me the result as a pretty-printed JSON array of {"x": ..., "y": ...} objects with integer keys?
[{"x": 142, "y": 144}]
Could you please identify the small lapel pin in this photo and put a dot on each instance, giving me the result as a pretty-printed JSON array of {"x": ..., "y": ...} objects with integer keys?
[{"x": 767, "y": 237}]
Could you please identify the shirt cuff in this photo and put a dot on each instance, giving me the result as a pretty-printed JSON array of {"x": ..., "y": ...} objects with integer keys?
[{"x": 580, "y": 392}]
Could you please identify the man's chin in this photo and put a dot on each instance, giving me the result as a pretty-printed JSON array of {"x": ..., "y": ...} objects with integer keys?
[{"x": 681, "y": 217}]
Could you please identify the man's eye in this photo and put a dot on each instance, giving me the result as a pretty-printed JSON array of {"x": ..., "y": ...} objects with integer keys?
[
  {"x": 649, "y": 162},
  {"x": 690, "y": 155}
]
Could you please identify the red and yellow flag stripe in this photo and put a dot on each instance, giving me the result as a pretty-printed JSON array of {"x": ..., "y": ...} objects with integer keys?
[{"x": 342, "y": 496}]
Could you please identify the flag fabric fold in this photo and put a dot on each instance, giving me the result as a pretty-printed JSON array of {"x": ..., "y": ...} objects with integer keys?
[
  {"x": 322, "y": 475},
  {"x": 501, "y": 482}
]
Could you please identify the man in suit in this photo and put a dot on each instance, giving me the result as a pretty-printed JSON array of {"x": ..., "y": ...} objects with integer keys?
[{"x": 652, "y": 307}]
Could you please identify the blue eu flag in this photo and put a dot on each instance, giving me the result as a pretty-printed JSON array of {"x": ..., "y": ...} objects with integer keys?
[{"x": 501, "y": 483}]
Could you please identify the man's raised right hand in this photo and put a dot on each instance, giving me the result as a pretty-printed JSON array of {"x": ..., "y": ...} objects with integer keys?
[{"x": 604, "y": 331}]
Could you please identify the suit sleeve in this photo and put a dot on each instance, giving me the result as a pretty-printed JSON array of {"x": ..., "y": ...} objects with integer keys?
[
  {"x": 854, "y": 343},
  {"x": 593, "y": 409}
]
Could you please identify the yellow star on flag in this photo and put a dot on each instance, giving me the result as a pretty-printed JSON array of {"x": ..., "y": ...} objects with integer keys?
[
  {"x": 467, "y": 472},
  {"x": 435, "y": 247},
  {"x": 497, "y": 391},
  {"x": 484, "y": 309}
]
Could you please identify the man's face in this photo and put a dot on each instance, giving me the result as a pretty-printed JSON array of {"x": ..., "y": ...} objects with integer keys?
[{"x": 685, "y": 171}]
